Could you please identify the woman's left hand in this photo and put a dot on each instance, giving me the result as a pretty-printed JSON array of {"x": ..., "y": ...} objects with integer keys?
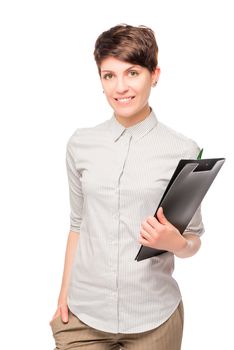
[{"x": 161, "y": 234}]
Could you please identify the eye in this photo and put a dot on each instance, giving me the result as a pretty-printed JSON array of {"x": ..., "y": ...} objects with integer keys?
[
  {"x": 133, "y": 73},
  {"x": 107, "y": 76}
]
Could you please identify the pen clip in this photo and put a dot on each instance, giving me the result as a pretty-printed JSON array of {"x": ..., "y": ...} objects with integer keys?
[{"x": 200, "y": 154}]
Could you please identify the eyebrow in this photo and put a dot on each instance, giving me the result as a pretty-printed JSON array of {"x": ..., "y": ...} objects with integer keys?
[{"x": 110, "y": 71}]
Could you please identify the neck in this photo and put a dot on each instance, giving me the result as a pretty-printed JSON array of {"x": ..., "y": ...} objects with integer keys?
[{"x": 135, "y": 119}]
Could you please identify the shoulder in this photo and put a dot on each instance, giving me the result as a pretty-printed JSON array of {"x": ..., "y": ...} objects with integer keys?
[
  {"x": 178, "y": 141},
  {"x": 86, "y": 135}
]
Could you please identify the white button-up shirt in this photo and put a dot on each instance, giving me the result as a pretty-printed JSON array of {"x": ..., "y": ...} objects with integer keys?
[{"x": 116, "y": 178}]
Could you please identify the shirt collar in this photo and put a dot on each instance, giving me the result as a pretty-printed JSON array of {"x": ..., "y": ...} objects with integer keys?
[{"x": 137, "y": 131}]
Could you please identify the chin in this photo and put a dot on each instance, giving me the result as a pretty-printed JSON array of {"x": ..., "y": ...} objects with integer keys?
[{"x": 126, "y": 114}]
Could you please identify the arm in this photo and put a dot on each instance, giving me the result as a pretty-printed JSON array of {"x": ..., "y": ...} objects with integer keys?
[
  {"x": 71, "y": 247},
  {"x": 191, "y": 246},
  {"x": 72, "y": 243},
  {"x": 76, "y": 204},
  {"x": 161, "y": 234}
]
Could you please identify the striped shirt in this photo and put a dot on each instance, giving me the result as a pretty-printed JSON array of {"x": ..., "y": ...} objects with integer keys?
[{"x": 116, "y": 178}]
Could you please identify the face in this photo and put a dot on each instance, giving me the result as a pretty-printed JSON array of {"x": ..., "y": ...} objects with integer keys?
[{"x": 127, "y": 88}]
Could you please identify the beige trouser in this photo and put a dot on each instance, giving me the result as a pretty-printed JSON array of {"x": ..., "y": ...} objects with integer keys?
[{"x": 75, "y": 335}]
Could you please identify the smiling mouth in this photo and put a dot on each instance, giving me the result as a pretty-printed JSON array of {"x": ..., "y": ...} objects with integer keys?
[{"x": 125, "y": 99}]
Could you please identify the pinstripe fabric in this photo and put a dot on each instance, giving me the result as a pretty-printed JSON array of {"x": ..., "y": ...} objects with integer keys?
[{"x": 116, "y": 178}]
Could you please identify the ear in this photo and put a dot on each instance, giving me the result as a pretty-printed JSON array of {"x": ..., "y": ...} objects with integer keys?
[{"x": 155, "y": 76}]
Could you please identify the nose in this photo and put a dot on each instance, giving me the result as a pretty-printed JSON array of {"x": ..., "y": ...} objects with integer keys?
[{"x": 121, "y": 85}]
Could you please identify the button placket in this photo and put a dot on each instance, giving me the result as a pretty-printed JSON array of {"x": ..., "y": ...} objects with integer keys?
[{"x": 126, "y": 146}]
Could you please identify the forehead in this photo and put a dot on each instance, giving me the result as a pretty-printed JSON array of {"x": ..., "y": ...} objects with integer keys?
[{"x": 115, "y": 65}]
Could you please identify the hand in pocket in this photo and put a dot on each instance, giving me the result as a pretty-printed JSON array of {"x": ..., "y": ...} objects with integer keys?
[{"x": 62, "y": 312}]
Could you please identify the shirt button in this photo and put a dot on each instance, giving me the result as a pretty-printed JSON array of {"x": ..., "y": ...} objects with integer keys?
[{"x": 116, "y": 216}]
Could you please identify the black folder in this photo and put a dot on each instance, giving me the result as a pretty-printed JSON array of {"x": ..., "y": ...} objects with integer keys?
[{"x": 183, "y": 195}]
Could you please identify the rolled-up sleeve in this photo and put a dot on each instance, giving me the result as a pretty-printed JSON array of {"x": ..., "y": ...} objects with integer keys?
[
  {"x": 75, "y": 191},
  {"x": 196, "y": 226}
]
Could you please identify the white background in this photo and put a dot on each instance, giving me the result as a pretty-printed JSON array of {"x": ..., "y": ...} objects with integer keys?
[{"x": 49, "y": 87}]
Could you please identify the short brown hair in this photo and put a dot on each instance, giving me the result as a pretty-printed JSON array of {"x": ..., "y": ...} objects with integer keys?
[{"x": 136, "y": 45}]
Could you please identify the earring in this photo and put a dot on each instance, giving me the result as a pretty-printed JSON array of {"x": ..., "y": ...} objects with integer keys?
[{"x": 154, "y": 83}]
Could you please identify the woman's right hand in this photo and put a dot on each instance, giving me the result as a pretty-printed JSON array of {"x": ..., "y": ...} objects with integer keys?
[{"x": 62, "y": 312}]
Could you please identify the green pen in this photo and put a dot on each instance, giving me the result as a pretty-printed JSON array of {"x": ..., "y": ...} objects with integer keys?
[{"x": 200, "y": 154}]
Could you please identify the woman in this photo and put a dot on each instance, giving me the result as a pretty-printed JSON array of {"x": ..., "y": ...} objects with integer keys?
[{"x": 117, "y": 173}]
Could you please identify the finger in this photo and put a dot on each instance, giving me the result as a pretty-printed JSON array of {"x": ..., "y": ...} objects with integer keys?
[
  {"x": 145, "y": 235},
  {"x": 161, "y": 217},
  {"x": 153, "y": 222},
  {"x": 64, "y": 313},
  {"x": 143, "y": 241},
  {"x": 148, "y": 227}
]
